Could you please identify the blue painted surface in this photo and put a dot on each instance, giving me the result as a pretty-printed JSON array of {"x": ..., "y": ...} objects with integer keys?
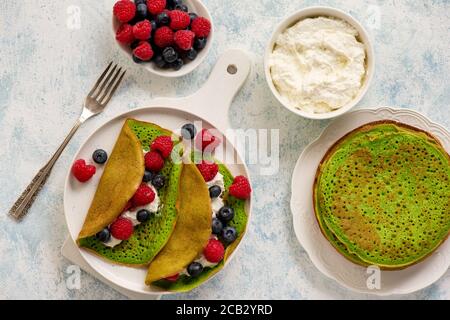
[{"x": 46, "y": 69}]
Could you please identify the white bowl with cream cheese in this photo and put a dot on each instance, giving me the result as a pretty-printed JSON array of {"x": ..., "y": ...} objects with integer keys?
[{"x": 319, "y": 62}]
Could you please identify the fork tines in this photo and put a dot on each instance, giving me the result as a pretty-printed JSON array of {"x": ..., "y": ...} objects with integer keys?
[{"x": 107, "y": 84}]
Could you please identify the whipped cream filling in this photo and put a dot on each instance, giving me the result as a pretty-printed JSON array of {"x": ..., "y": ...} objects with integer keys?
[
  {"x": 318, "y": 64},
  {"x": 202, "y": 260},
  {"x": 217, "y": 181},
  {"x": 132, "y": 215},
  {"x": 217, "y": 203}
]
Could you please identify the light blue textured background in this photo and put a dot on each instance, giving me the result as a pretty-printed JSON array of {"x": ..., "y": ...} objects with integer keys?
[{"x": 46, "y": 69}]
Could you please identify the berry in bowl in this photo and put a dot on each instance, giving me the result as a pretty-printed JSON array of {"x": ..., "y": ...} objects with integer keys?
[{"x": 169, "y": 37}]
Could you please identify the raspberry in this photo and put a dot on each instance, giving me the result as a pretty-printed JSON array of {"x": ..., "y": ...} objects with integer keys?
[
  {"x": 179, "y": 19},
  {"x": 153, "y": 161},
  {"x": 81, "y": 171},
  {"x": 124, "y": 34},
  {"x": 240, "y": 188},
  {"x": 124, "y": 10},
  {"x": 163, "y": 144},
  {"x": 128, "y": 206},
  {"x": 208, "y": 170},
  {"x": 163, "y": 37},
  {"x": 156, "y": 6},
  {"x": 201, "y": 27},
  {"x": 143, "y": 51},
  {"x": 142, "y": 30},
  {"x": 121, "y": 229},
  {"x": 173, "y": 278},
  {"x": 184, "y": 39},
  {"x": 207, "y": 139},
  {"x": 214, "y": 251},
  {"x": 143, "y": 195}
]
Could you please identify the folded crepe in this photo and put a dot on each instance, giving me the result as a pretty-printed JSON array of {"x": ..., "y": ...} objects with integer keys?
[
  {"x": 193, "y": 231},
  {"x": 121, "y": 178}
]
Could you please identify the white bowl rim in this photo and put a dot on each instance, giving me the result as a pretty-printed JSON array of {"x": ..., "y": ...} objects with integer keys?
[
  {"x": 325, "y": 11},
  {"x": 187, "y": 68}
]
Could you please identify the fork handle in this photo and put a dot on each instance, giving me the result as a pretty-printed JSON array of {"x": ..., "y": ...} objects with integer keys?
[{"x": 26, "y": 199}]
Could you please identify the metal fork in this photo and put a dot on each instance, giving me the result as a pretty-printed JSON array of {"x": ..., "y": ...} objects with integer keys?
[{"x": 94, "y": 104}]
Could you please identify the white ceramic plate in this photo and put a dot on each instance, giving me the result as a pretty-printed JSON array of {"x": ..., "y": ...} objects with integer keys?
[
  {"x": 307, "y": 230},
  {"x": 195, "y": 6},
  {"x": 170, "y": 114},
  {"x": 312, "y": 12}
]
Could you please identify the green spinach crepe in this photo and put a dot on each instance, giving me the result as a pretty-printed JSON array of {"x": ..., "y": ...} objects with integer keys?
[
  {"x": 172, "y": 261},
  {"x": 382, "y": 195},
  {"x": 120, "y": 180}
]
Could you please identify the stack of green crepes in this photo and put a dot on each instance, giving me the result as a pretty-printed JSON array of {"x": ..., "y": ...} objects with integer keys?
[{"x": 382, "y": 195}]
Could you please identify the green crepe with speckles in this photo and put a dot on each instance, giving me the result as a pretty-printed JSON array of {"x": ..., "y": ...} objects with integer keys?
[
  {"x": 382, "y": 195},
  {"x": 149, "y": 237},
  {"x": 187, "y": 283}
]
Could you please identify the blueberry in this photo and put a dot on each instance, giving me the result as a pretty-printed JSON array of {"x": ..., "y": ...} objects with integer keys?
[
  {"x": 162, "y": 19},
  {"x": 225, "y": 214},
  {"x": 103, "y": 235},
  {"x": 158, "y": 181},
  {"x": 143, "y": 215},
  {"x": 135, "y": 20},
  {"x": 154, "y": 25},
  {"x": 159, "y": 61},
  {"x": 148, "y": 176},
  {"x": 214, "y": 191},
  {"x": 170, "y": 55},
  {"x": 181, "y": 7},
  {"x": 100, "y": 156},
  {"x": 141, "y": 11},
  {"x": 191, "y": 54},
  {"x": 137, "y": 2},
  {"x": 177, "y": 64},
  {"x": 188, "y": 131},
  {"x": 217, "y": 226},
  {"x": 169, "y": 4},
  {"x": 193, "y": 16},
  {"x": 134, "y": 44},
  {"x": 172, "y": 3},
  {"x": 229, "y": 234},
  {"x": 156, "y": 49},
  {"x": 200, "y": 43},
  {"x": 136, "y": 59},
  {"x": 194, "y": 269}
]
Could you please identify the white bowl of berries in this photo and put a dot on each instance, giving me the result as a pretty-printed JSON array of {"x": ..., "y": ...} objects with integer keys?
[{"x": 170, "y": 38}]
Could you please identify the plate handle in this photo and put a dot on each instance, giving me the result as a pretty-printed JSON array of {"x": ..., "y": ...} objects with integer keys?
[{"x": 213, "y": 100}]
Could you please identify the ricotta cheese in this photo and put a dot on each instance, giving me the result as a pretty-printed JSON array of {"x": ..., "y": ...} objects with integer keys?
[
  {"x": 318, "y": 64},
  {"x": 131, "y": 215}
]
